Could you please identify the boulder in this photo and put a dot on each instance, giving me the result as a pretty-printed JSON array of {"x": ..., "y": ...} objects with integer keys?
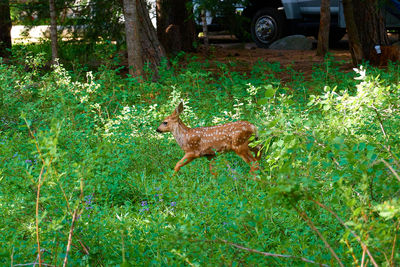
[{"x": 292, "y": 42}]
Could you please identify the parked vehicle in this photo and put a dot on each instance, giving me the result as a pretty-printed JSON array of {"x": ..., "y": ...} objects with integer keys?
[{"x": 272, "y": 19}]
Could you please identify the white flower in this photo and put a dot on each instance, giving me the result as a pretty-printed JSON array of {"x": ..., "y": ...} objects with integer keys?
[{"x": 361, "y": 71}]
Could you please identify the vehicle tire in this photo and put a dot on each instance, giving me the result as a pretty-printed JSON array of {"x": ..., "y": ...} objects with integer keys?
[{"x": 267, "y": 26}]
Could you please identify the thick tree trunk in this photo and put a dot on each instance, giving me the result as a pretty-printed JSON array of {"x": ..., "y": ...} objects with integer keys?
[
  {"x": 352, "y": 32},
  {"x": 324, "y": 24},
  {"x": 176, "y": 28},
  {"x": 152, "y": 49},
  {"x": 144, "y": 47},
  {"x": 53, "y": 32},
  {"x": 5, "y": 28},
  {"x": 135, "y": 58},
  {"x": 370, "y": 25}
]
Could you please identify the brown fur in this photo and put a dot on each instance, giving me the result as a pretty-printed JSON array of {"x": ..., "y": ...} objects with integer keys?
[{"x": 206, "y": 141}]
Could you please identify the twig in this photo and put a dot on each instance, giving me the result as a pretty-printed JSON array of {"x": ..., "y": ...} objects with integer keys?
[
  {"x": 304, "y": 216},
  {"x": 345, "y": 226},
  {"x": 363, "y": 258},
  {"x": 394, "y": 244},
  {"x": 352, "y": 253},
  {"x": 85, "y": 249},
  {"x": 380, "y": 122},
  {"x": 391, "y": 169},
  {"x": 12, "y": 257},
  {"x": 324, "y": 146},
  {"x": 37, "y": 214},
  {"x": 395, "y": 159},
  {"x": 271, "y": 254},
  {"x": 71, "y": 230},
  {"x": 31, "y": 264},
  {"x": 37, "y": 193}
]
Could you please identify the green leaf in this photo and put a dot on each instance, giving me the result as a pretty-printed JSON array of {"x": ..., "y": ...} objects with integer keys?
[
  {"x": 263, "y": 101},
  {"x": 270, "y": 93}
]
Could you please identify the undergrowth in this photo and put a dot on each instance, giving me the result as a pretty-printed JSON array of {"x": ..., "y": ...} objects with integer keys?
[{"x": 80, "y": 159}]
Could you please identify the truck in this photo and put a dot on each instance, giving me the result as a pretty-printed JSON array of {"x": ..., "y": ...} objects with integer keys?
[{"x": 270, "y": 20}]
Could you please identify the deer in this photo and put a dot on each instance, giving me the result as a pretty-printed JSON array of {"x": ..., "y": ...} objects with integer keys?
[{"x": 208, "y": 141}]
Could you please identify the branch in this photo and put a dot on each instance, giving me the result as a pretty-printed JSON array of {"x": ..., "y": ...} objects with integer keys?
[
  {"x": 31, "y": 264},
  {"x": 271, "y": 254},
  {"x": 37, "y": 214},
  {"x": 380, "y": 123},
  {"x": 352, "y": 253},
  {"x": 71, "y": 230},
  {"x": 304, "y": 216},
  {"x": 391, "y": 169},
  {"x": 394, "y": 244},
  {"x": 345, "y": 226}
]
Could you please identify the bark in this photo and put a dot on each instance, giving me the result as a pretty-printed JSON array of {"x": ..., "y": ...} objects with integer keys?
[
  {"x": 135, "y": 57},
  {"x": 141, "y": 38},
  {"x": 365, "y": 28},
  {"x": 324, "y": 24},
  {"x": 53, "y": 32},
  {"x": 371, "y": 26},
  {"x": 205, "y": 28},
  {"x": 176, "y": 28},
  {"x": 352, "y": 32},
  {"x": 5, "y": 28},
  {"x": 152, "y": 49}
]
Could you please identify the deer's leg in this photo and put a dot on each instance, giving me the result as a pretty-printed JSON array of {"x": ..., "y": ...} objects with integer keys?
[
  {"x": 246, "y": 155},
  {"x": 253, "y": 161},
  {"x": 211, "y": 159},
  {"x": 185, "y": 160},
  {"x": 257, "y": 152}
]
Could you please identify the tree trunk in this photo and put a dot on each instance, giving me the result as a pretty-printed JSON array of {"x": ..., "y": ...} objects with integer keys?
[
  {"x": 205, "y": 28},
  {"x": 371, "y": 26},
  {"x": 133, "y": 46},
  {"x": 365, "y": 28},
  {"x": 352, "y": 32},
  {"x": 324, "y": 24},
  {"x": 176, "y": 28},
  {"x": 53, "y": 32},
  {"x": 5, "y": 28},
  {"x": 146, "y": 45},
  {"x": 152, "y": 49}
]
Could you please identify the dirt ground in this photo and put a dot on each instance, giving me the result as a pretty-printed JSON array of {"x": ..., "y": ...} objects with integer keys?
[{"x": 226, "y": 49}]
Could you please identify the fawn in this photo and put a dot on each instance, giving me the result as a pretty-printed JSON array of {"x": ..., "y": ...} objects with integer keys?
[{"x": 206, "y": 141}]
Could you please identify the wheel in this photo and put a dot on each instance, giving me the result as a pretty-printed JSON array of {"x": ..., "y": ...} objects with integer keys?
[{"x": 267, "y": 26}]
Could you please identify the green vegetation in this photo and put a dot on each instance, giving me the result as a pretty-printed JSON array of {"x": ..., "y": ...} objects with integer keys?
[{"x": 87, "y": 140}]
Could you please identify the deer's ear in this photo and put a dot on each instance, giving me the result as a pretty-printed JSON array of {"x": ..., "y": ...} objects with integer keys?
[{"x": 179, "y": 108}]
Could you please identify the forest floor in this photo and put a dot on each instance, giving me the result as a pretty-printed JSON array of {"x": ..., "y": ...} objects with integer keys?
[{"x": 225, "y": 50}]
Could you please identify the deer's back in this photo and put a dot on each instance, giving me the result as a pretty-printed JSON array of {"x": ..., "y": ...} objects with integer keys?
[{"x": 220, "y": 138}]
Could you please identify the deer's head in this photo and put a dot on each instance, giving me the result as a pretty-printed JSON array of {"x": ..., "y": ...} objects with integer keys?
[{"x": 171, "y": 121}]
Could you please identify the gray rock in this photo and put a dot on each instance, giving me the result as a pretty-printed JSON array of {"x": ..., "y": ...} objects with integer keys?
[
  {"x": 250, "y": 46},
  {"x": 292, "y": 42}
]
